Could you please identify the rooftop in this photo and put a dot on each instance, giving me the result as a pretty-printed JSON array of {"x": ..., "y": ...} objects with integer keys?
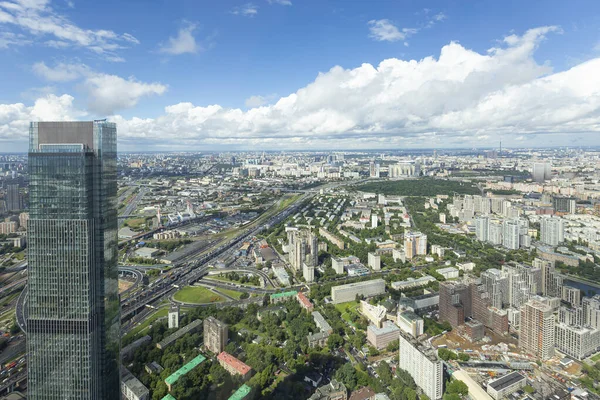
[
  {"x": 168, "y": 397},
  {"x": 185, "y": 369},
  {"x": 242, "y": 392},
  {"x": 239, "y": 366},
  {"x": 388, "y": 327},
  {"x": 179, "y": 333},
  {"x": 304, "y": 300},
  {"x": 506, "y": 381},
  {"x": 284, "y": 294}
]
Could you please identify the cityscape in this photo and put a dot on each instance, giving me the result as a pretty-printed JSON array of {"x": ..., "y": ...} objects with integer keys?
[{"x": 414, "y": 227}]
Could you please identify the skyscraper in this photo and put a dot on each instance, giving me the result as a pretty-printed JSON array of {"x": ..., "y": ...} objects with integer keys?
[
  {"x": 13, "y": 197},
  {"x": 73, "y": 323}
]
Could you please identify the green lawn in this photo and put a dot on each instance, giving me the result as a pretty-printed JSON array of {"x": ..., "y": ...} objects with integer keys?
[
  {"x": 596, "y": 358},
  {"x": 224, "y": 279},
  {"x": 148, "y": 321},
  {"x": 197, "y": 295},
  {"x": 341, "y": 307},
  {"x": 231, "y": 293}
]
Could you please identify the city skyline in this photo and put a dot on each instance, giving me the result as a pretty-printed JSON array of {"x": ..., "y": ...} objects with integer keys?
[{"x": 305, "y": 75}]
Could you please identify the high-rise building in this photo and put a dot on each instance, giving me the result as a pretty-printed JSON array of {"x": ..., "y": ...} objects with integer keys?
[
  {"x": 373, "y": 170},
  {"x": 455, "y": 302},
  {"x": 552, "y": 230},
  {"x": 421, "y": 362},
  {"x": 308, "y": 272},
  {"x": 374, "y": 221},
  {"x": 536, "y": 333},
  {"x": 73, "y": 323},
  {"x": 495, "y": 232},
  {"x": 173, "y": 316},
  {"x": 374, "y": 261},
  {"x": 542, "y": 171},
  {"x": 564, "y": 205},
  {"x": 482, "y": 228},
  {"x": 304, "y": 249},
  {"x": 14, "y": 200},
  {"x": 215, "y": 335},
  {"x": 511, "y": 234},
  {"x": 415, "y": 243}
]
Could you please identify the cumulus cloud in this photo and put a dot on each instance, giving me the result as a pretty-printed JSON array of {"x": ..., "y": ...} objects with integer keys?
[
  {"x": 106, "y": 93},
  {"x": 184, "y": 42},
  {"x": 383, "y": 30},
  {"x": 36, "y": 18},
  {"x": 247, "y": 10},
  {"x": 459, "y": 97}
]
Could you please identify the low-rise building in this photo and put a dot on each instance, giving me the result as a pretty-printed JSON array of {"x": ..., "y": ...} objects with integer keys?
[
  {"x": 233, "y": 365},
  {"x": 192, "y": 327},
  {"x": 332, "y": 391},
  {"x": 174, "y": 377},
  {"x": 305, "y": 302},
  {"x": 410, "y": 323},
  {"x": 413, "y": 282},
  {"x": 381, "y": 337},
  {"x": 131, "y": 387},
  {"x": 448, "y": 273},
  {"x": 283, "y": 296},
  {"x": 345, "y": 293},
  {"x": 375, "y": 314},
  {"x": 502, "y": 387}
]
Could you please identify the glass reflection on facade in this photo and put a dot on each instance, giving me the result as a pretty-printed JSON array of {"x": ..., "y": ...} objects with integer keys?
[{"x": 73, "y": 322}]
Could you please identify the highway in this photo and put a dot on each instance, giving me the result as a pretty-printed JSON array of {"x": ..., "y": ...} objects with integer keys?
[{"x": 132, "y": 206}]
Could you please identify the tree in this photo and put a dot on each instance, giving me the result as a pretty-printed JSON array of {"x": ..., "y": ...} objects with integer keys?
[
  {"x": 393, "y": 346},
  {"x": 335, "y": 341},
  {"x": 446, "y": 354},
  {"x": 457, "y": 387}
]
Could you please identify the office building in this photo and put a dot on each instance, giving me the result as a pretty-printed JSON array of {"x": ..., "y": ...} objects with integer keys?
[
  {"x": 422, "y": 364},
  {"x": 374, "y": 261},
  {"x": 537, "y": 329},
  {"x": 552, "y": 230},
  {"x": 73, "y": 322},
  {"x": 344, "y": 293},
  {"x": 215, "y": 335},
  {"x": 173, "y": 316},
  {"x": 502, "y": 387},
  {"x": 415, "y": 244},
  {"x": 14, "y": 200},
  {"x": 542, "y": 171},
  {"x": 380, "y": 337}
]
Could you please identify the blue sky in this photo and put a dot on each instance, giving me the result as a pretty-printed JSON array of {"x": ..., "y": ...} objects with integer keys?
[{"x": 244, "y": 75}]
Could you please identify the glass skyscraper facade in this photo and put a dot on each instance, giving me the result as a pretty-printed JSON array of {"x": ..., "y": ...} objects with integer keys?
[{"x": 73, "y": 322}]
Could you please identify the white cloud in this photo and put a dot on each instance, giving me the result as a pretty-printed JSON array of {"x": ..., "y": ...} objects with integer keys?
[
  {"x": 383, "y": 30},
  {"x": 459, "y": 98},
  {"x": 258, "y": 101},
  {"x": 439, "y": 17},
  {"x": 282, "y": 2},
  {"x": 106, "y": 93},
  {"x": 36, "y": 18},
  {"x": 247, "y": 10},
  {"x": 184, "y": 42}
]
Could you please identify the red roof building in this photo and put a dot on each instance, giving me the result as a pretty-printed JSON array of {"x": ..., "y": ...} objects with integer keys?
[
  {"x": 305, "y": 302},
  {"x": 233, "y": 365}
]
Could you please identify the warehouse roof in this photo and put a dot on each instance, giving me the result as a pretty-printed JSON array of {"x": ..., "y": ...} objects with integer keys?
[{"x": 506, "y": 381}]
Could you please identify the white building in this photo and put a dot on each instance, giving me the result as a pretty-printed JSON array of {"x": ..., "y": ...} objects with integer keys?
[
  {"x": 308, "y": 272},
  {"x": 374, "y": 261},
  {"x": 345, "y": 293},
  {"x": 374, "y": 221},
  {"x": 422, "y": 364},
  {"x": 131, "y": 387},
  {"x": 448, "y": 273},
  {"x": 173, "y": 317},
  {"x": 552, "y": 230},
  {"x": 410, "y": 323}
]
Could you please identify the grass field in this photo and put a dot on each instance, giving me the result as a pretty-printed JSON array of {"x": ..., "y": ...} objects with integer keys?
[
  {"x": 224, "y": 279},
  {"x": 148, "y": 321},
  {"x": 135, "y": 223},
  {"x": 197, "y": 295},
  {"x": 231, "y": 293},
  {"x": 596, "y": 358},
  {"x": 351, "y": 305}
]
